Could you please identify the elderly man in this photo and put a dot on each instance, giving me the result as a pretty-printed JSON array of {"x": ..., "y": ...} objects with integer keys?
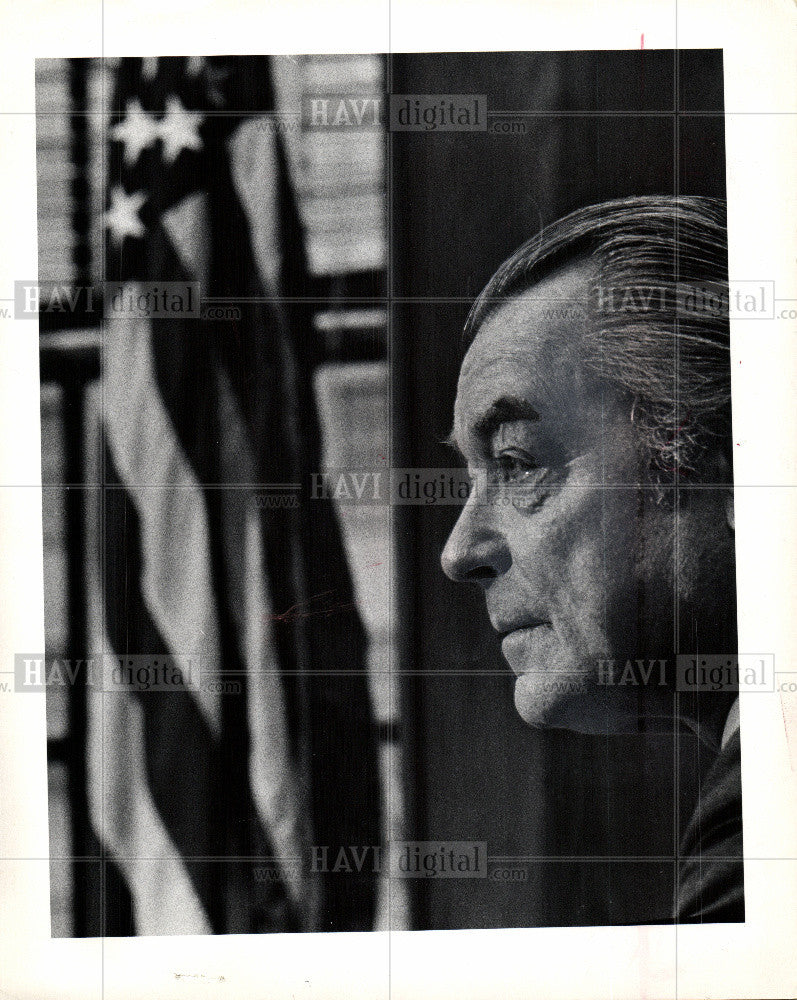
[{"x": 594, "y": 402}]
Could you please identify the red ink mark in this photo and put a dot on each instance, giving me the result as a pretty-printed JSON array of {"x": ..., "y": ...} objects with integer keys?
[
  {"x": 643, "y": 41},
  {"x": 786, "y": 731},
  {"x": 671, "y": 438},
  {"x": 373, "y": 564},
  {"x": 680, "y": 427},
  {"x": 302, "y": 610}
]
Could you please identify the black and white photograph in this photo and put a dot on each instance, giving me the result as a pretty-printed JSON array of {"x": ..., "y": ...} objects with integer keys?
[
  {"x": 394, "y": 476},
  {"x": 279, "y": 316}
]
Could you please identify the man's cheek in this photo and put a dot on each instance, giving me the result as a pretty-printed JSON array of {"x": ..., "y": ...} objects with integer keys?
[
  {"x": 579, "y": 628},
  {"x": 589, "y": 599}
]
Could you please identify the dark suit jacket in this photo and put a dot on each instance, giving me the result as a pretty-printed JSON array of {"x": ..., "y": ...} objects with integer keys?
[{"x": 710, "y": 872}]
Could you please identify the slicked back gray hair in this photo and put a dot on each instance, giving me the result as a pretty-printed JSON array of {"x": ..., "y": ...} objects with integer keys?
[{"x": 658, "y": 318}]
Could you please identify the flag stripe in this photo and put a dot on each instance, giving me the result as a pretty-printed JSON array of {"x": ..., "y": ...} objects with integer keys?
[
  {"x": 165, "y": 900},
  {"x": 331, "y": 712},
  {"x": 178, "y": 748},
  {"x": 185, "y": 763},
  {"x": 275, "y": 783},
  {"x": 176, "y": 580}
]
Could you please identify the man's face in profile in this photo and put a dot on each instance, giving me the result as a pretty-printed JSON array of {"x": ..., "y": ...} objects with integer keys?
[{"x": 575, "y": 560}]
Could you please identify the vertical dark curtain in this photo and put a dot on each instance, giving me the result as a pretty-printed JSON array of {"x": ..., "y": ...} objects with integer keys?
[{"x": 596, "y": 820}]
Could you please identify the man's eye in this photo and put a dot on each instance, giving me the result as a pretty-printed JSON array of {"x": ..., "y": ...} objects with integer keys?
[{"x": 513, "y": 468}]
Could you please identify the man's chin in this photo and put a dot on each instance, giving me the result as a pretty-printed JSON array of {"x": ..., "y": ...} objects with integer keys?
[{"x": 574, "y": 701}]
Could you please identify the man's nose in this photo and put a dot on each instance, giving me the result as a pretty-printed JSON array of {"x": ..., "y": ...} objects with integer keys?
[{"x": 475, "y": 551}]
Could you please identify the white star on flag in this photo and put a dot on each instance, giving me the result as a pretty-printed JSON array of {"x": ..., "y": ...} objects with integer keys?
[
  {"x": 179, "y": 130},
  {"x": 137, "y": 130},
  {"x": 122, "y": 217},
  {"x": 194, "y": 65}
]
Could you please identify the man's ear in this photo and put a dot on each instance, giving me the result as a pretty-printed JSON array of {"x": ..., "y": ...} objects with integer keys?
[
  {"x": 716, "y": 469},
  {"x": 723, "y": 471},
  {"x": 729, "y": 514}
]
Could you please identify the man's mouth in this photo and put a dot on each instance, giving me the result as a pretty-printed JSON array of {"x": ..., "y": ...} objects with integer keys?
[
  {"x": 524, "y": 626},
  {"x": 514, "y": 643}
]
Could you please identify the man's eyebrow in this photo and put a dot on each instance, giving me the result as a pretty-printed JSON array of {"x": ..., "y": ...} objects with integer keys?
[{"x": 504, "y": 409}]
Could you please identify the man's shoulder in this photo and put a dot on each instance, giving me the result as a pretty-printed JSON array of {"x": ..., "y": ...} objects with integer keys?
[{"x": 710, "y": 870}]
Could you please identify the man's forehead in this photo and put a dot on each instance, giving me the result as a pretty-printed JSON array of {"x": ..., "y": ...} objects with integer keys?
[
  {"x": 527, "y": 350},
  {"x": 549, "y": 316}
]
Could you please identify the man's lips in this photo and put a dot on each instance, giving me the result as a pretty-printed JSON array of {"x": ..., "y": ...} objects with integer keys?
[
  {"x": 531, "y": 623},
  {"x": 513, "y": 643}
]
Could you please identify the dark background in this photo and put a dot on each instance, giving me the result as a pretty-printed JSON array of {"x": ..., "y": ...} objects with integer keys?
[{"x": 596, "y": 821}]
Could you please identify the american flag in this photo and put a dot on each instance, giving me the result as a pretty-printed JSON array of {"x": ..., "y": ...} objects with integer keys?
[{"x": 207, "y": 801}]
